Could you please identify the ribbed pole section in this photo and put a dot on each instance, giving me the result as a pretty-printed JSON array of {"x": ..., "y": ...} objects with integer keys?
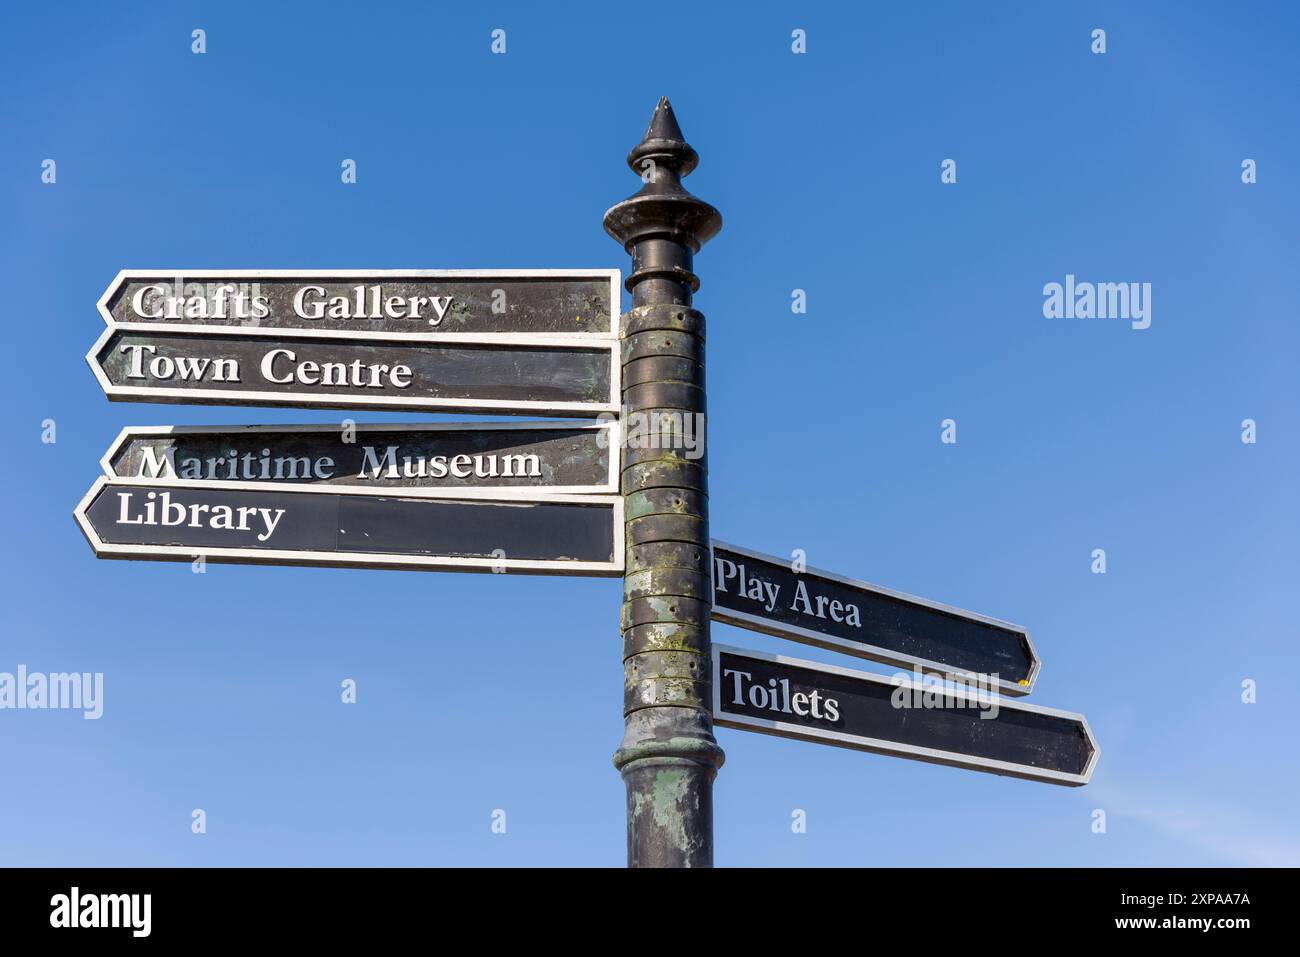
[{"x": 668, "y": 757}]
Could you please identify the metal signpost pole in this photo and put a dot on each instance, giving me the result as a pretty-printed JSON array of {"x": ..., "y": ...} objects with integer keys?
[{"x": 668, "y": 757}]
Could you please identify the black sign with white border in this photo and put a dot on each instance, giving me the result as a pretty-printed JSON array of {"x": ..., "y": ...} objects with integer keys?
[
  {"x": 280, "y": 525},
  {"x": 527, "y": 375},
  {"x": 830, "y": 611},
  {"x": 581, "y": 304},
  {"x": 458, "y": 459},
  {"x": 940, "y": 724}
]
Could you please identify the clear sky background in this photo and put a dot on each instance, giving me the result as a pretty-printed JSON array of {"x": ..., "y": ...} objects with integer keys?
[{"x": 479, "y": 692}]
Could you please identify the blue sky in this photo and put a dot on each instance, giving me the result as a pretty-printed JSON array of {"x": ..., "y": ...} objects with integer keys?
[{"x": 924, "y": 303}]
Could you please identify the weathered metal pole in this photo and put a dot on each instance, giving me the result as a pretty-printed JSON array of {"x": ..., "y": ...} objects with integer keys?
[{"x": 668, "y": 757}]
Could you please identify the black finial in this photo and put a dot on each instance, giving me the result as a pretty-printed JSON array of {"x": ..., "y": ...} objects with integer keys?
[
  {"x": 662, "y": 209},
  {"x": 663, "y": 142}
]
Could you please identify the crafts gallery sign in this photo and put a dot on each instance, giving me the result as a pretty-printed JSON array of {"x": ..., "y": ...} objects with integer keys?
[{"x": 510, "y": 302}]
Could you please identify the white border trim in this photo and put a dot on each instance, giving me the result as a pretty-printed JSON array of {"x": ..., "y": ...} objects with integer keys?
[
  {"x": 894, "y": 748},
  {"x": 864, "y": 649},
  {"x": 458, "y": 275},
  {"x": 119, "y": 393},
  {"x": 260, "y": 556},
  {"x": 510, "y": 492}
]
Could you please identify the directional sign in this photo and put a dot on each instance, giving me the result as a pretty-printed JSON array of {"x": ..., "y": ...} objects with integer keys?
[
  {"x": 764, "y": 593},
  {"x": 546, "y": 534},
  {"x": 546, "y": 375},
  {"x": 944, "y": 724},
  {"x": 465, "y": 460},
  {"x": 582, "y": 303}
]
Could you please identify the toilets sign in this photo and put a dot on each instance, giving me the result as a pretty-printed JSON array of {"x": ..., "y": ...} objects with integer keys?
[{"x": 941, "y": 723}]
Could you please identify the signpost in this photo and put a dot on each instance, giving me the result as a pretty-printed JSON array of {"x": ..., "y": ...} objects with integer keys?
[
  {"x": 545, "y": 498},
  {"x": 764, "y": 593},
  {"x": 465, "y": 460},
  {"x": 949, "y": 725},
  {"x": 545, "y": 534}
]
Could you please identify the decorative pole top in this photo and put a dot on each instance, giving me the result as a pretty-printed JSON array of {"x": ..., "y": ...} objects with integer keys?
[
  {"x": 663, "y": 142},
  {"x": 662, "y": 209}
]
